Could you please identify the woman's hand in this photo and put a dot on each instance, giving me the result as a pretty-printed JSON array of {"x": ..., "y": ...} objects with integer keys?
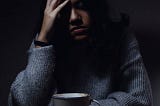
[{"x": 52, "y": 9}]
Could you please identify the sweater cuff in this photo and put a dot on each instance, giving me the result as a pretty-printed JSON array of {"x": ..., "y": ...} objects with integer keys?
[{"x": 42, "y": 58}]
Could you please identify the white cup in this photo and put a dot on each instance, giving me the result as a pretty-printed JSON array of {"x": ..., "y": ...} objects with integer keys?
[{"x": 73, "y": 99}]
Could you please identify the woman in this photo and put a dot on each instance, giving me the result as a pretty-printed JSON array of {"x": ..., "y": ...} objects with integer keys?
[{"x": 79, "y": 48}]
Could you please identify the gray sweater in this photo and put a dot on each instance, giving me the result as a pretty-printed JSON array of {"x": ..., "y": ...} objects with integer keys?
[{"x": 125, "y": 85}]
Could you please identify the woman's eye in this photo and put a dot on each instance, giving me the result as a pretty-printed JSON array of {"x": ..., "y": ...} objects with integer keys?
[{"x": 80, "y": 5}]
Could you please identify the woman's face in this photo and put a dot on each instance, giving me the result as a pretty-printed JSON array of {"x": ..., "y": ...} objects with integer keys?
[{"x": 79, "y": 20}]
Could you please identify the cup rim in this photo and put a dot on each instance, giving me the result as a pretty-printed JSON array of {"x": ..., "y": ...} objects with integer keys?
[{"x": 65, "y": 95}]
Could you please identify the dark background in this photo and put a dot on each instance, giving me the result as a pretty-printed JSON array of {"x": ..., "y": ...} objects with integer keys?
[{"x": 18, "y": 20}]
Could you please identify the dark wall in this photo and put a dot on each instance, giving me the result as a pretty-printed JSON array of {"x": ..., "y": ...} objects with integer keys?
[{"x": 18, "y": 20}]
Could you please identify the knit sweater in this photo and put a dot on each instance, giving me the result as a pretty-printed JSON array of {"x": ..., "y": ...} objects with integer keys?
[{"x": 126, "y": 85}]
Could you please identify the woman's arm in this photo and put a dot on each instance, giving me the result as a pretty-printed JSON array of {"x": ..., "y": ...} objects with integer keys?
[
  {"x": 35, "y": 85},
  {"x": 135, "y": 88}
]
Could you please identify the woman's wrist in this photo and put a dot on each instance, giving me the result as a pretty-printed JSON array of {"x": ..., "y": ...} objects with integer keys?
[
  {"x": 41, "y": 43},
  {"x": 41, "y": 40},
  {"x": 42, "y": 37}
]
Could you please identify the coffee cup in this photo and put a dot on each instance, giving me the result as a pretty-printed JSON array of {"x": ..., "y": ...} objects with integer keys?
[{"x": 73, "y": 99}]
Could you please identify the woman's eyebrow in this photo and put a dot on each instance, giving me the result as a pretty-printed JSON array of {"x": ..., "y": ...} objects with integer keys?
[
  {"x": 79, "y": 1},
  {"x": 76, "y": 1}
]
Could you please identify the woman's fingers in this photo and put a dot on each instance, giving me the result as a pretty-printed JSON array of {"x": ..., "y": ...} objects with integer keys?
[
  {"x": 48, "y": 3},
  {"x": 59, "y": 7},
  {"x": 50, "y": 14},
  {"x": 51, "y": 4},
  {"x": 54, "y": 4}
]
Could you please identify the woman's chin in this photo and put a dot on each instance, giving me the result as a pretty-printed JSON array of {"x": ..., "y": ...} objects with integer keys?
[{"x": 79, "y": 37}]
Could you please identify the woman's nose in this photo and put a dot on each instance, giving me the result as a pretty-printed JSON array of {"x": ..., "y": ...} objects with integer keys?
[{"x": 74, "y": 17}]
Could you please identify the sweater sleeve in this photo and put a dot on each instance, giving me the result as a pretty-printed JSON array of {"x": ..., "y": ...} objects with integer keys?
[
  {"x": 35, "y": 85},
  {"x": 134, "y": 85}
]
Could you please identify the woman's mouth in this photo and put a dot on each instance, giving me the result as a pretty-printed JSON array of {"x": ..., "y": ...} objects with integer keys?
[{"x": 79, "y": 30}]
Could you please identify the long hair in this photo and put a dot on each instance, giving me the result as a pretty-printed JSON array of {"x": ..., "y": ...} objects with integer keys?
[
  {"x": 106, "y": 31},
  {"x": 106, "y": 37}
]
